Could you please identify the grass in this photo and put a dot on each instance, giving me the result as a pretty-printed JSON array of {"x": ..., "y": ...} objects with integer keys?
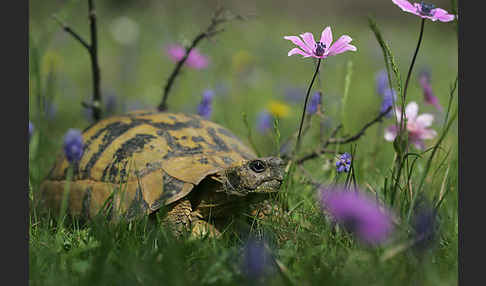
[{"x": 249, "y": 68}]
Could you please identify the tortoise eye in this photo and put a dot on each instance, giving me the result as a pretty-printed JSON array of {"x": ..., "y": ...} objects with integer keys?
[{"x": 257, "y": 166}]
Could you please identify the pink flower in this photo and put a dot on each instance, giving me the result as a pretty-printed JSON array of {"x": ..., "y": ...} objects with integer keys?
[
  {"x": 322, "y": 49},
  {"x": 195, "y": 59},
  {"x": 426, "y": 11},
  {"x": 417, "y": 126}
]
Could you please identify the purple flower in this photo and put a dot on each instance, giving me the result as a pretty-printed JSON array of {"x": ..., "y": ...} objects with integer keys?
[
  {"x": 73, "y": 145},
  {"x": 195, "y": 59},
  {"x": 257, "y": 260},
  {"x": 265, "y": 121},
  {"x": 315, "y": 103},
  {"x": 358, "y": 213},
  {"x": 382, "y": 82},
  {"x": 389, "y": 97},
  {"x": 424, "y": 224},
  {"x": 344, "y": 163},
  {"x": 417, "y": 126},
  {"x": 110, "y": 103},
  {"x": 322, "y": 49},
  {"x": 50, "y": 108},
  {"x": 429, "y": 97},
  {"x": 425, "y": 11},
  {"x": 31, "y": 129},
  {"x": 294, "y": 94},
  {"x": 205, "y": 108}
]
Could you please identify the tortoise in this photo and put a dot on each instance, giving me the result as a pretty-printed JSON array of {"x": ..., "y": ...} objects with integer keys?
[{"x": 142, "y": 161}]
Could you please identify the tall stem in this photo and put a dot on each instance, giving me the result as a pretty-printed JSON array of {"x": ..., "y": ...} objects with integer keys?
[
  {"x": 399, "y": 158},
  {"x": 297, "y": 146},
  {"x": 410, "y": 70}
]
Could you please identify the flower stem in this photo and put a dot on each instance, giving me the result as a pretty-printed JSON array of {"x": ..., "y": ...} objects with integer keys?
[
  {"x": 297, "y": 146},
  {"x": 410, "y": 69}
]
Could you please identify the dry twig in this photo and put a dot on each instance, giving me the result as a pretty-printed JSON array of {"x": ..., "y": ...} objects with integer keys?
[
  {"x": 93, "y": 53},
  {"x": 219, "y": 17}
]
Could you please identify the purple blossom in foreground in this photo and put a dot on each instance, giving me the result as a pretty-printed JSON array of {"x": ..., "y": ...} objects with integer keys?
[
  {"x": 343, "y": 164},
  {"x": 429, "y": 97},
  {"x": 424, "y": 10},
  {"x": 195, "y": 59},
  {"x": 31, "y": 129},
  {"x": 264, "y": 121},
  {"x": 314, "y": 103},
  {"x": 73, "y": 145},
  {"x": 322, "y": 49},
  {"x": 358, "y": 213},
  {"x": 205, "y": 108},
  {"x": 257, "y": 260}
]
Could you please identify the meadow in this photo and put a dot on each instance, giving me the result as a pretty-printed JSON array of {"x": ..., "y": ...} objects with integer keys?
[{"x": 249, "y": 72}]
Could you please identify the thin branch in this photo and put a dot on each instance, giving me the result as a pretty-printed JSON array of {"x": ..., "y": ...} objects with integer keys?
[
  {"x": 362, "y": 131},
  {"x": 94, "y": 62},
  {"x": 314, "y": 155},
  {"x": 218, "y": 18},
  {"x": 93, "y": 53},
  {"x": 333, "y": 140},
  {"x": 72, "y": 32}
]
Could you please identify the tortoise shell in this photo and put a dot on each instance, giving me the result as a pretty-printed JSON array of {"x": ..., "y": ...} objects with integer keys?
[{"x": 141, "y": 161}]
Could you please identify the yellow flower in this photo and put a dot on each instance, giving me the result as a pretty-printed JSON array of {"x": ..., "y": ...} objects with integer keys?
[{"x": 279, "y": 109}]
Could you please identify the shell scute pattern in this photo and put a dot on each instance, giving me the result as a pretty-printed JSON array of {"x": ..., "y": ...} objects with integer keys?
[{"x": 148, "y": 159}]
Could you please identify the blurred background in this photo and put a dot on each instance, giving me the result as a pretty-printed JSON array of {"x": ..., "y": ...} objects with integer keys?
[
  {"x": 248, "y": 73},
  {"x": 248, "y": 64}
]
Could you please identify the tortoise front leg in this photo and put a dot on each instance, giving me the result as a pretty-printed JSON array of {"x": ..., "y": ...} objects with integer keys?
[
  {"x": 179, "y": 217},
  {"x": 182, "y": 220},
  {"x": 201, "y": 228}
]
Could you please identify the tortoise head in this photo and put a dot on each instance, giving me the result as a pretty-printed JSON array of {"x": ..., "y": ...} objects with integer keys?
[{"x": 262, "y": 175}]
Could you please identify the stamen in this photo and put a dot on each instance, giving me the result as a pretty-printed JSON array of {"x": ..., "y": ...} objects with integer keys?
[
  {"x": 320, "y": 49},
  {"x": 426, "y": 9}
]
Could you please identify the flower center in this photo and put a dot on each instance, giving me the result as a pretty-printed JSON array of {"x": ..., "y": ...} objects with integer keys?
[
  {"x": 426, "y": 9},
  {"x": 320, "y": 48}
]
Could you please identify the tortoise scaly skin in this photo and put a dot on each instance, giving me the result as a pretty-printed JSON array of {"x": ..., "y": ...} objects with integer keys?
[{"x": 142, "y": 161}]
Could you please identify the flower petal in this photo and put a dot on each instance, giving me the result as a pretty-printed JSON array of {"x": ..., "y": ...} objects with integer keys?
[
  {"x": 391, "y": 133},
  {"x": 405, "y": 6},
  {"x": 411, "y": 110},
  {"x": 326, "y": 37},
  {"x": 419, "y": 144},
  {"x": 341, "y": 45},
  {"x": 428, "y": 134},
  {"x": 298, "y": 51},
  {"x": 296, "y": 40},
  {"x": 442, "y": 15},
  {"x": 309, "y": 41},
  {"x": 425, "y": 120}
]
